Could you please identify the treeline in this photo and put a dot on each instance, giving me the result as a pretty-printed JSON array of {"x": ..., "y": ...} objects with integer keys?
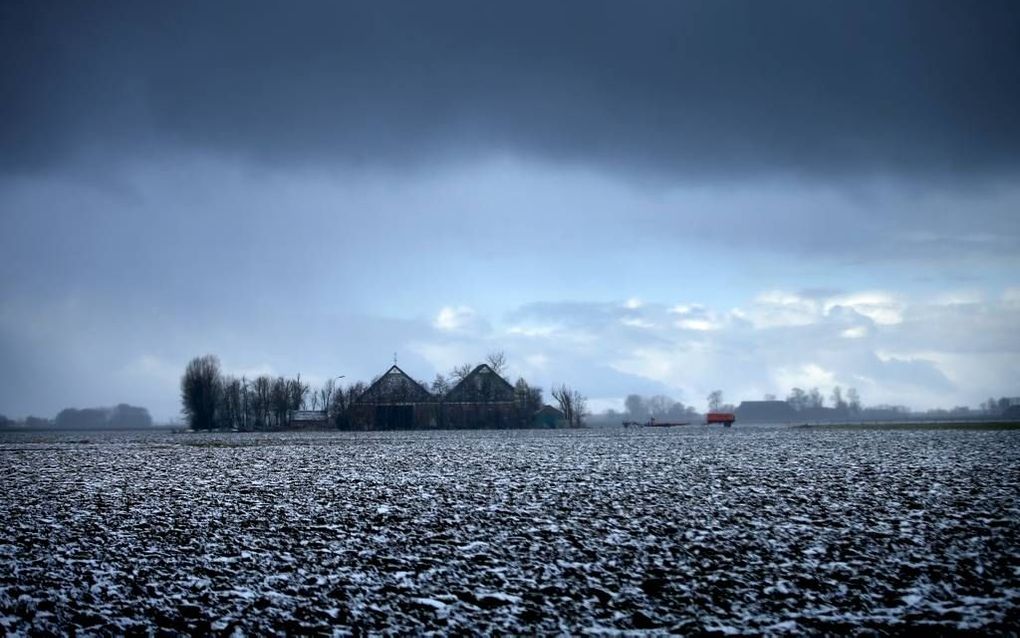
[
  {"x": 658, "y": 407},
  {"x": 801, "y": 400},
  {"x": 213, "y": 400},
  {"x": 1003, "y": 406},
  {"x": 121, "y": 416},
  {"x": 29, "y": 422},
  {"x": 801, "y": 404}
]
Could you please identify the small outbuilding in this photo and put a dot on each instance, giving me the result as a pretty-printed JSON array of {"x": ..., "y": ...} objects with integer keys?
[
  {"x": 550, "y": 417},
  {"x": 307, "y": 419}
]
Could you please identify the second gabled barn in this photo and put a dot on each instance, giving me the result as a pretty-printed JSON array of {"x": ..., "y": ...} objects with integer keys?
[{"x": 482, "y": 399}]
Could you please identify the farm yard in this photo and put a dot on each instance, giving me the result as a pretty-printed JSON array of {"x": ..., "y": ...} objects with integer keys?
[{"x": 769, "y": 530}]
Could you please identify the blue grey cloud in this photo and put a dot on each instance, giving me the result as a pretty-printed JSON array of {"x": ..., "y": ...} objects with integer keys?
[{"x": 733, "y": 87}]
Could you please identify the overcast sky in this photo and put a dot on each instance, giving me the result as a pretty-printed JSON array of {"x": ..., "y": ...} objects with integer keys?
[{"x": 653, "y": 197}]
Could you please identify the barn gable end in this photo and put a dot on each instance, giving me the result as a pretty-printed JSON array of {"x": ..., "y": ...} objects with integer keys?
[
  {"x": 395, "y": 401},
  {"x": 482, "y": 385},
  {"x": 395, "y": 387}
]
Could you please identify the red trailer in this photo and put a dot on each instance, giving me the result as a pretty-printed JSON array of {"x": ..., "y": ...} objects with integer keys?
[{"x": 726, "y": 418}]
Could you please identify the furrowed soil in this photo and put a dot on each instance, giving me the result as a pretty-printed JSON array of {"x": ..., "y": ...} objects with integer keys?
[{"x": 693, "y": 530}]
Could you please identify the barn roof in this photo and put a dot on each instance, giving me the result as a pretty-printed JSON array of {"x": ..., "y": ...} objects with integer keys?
[
  {"x": 483, "y": 384},
  {"x": 548, "y": 410},
  {"x": 395, "y": 386}
]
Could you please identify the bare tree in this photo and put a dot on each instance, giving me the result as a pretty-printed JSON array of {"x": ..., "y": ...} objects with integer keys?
[
  {"x": 229, "y": 414},
  {"x": 325, "y": 394},
  {"x": 497, "y": 361},
  {"x": 297, "y": 392},
  {"x": 200, "y": 389},
  {"x": 245, "y": 404},
  {"x": 989, "y": 406},
  {"x": 572, "y": 403},
  {"x": 680, "y": 411},
  {"x": 837, "y": 398},
  {"x": 343, "y": 399},
  {"x": 261, "y": 400},
  {"x": 715, "y": 400},
  {"x": 279, "y": 400},
  {"x": 459, "y": 373},
  {"x": 440, "y": 386},
  {"x": 338, "y": 408},
  {"x": 529, "y": 401},
  {"x": 580, "y": 409},
  {"x": 853, "y": 400},
  {"x": 797, "y": 399},
  {"x": 659, "y": 405},
  {"x": 636, "y": 406},
  {"x": 815, "y": 398}
]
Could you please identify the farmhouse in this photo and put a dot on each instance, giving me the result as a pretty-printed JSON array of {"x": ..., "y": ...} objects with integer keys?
[{"x": 482, "y": 399}]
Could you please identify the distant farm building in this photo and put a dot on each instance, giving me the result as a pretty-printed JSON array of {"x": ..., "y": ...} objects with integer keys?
[
  {"x": 307, "y": 419},
  {"x": 482, "y": 399},
  {"x": 765, "y": 412},
  {"x": 550, "y": 417}
]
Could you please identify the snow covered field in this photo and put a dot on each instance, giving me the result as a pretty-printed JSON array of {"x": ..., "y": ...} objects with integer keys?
[{"x": 682, "y": 530}]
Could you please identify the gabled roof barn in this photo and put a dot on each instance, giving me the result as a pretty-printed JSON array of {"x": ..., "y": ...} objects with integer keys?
[
  {"x": 395, "y": 386},
  {"x": 482, "y": 385}
]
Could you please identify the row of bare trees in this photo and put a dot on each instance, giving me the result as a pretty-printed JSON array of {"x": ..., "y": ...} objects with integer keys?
[
  {"x": 443, "y": 384},
  {"x": 212, "y": 400},
  {"x": 801, "y": 400},
  {"x": 261, "y": 403},
  {"x": 997, "y": 407},
  {"x": 641, "y": 408},
  {"x": 573, "y": 405}
]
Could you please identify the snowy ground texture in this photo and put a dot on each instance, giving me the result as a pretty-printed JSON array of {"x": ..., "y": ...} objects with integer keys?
[{"x": 607, "y": 532}]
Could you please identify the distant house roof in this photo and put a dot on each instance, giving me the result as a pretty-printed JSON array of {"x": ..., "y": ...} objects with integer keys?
[
  {"x": 395, "y": 386},
  {"x": 550, "y": 412},
  {"x": 483, "y": 384},
  {"x": 549, "y": 417}
]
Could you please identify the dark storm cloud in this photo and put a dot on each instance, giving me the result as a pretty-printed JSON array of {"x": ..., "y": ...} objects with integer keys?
[{"x": 697, "y": 87}]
